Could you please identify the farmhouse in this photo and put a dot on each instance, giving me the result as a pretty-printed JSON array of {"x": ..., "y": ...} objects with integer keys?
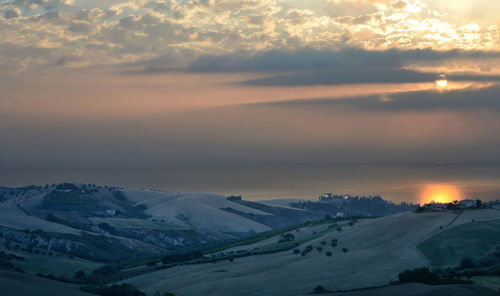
[
  {"x": 234, "y": 198},
  {"x": 330, "y": 196},
  {"x": 467, "y": 203},
  {"x": 435, "y": 206}
]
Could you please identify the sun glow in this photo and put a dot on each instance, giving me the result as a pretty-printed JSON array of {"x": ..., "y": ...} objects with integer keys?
[
  {"x": 442, "y": 81},
  {"x": 442, "y": 193}
]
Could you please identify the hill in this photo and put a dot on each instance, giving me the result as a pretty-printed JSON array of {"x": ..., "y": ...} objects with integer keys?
[
  {"x": 471, "y": 240},
  {"x": 14, "y": 283},
  {"x": 102, "y": 223},
  {"x": 255, "y": 248},
  {"x": 377, "y": 251}
]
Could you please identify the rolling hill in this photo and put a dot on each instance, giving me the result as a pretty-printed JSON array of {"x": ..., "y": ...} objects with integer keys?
[
  {"x": 377, "y": 251},
  {"x": 249, "y": 248}
]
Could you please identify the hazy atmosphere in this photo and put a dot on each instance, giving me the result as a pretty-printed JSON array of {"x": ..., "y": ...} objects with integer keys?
[
  {"x": 249, "y": 147},
  {"x": 224, "y": 86}
]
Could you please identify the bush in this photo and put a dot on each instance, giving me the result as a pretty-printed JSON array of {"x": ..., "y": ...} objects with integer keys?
[
  {"x": 296, "y": 251},
  {"x": 286, "y": 238},
  {"x": 466, "y": 263},
  {"x": 80, "y": 276},
  {"x": 307, "y": 250},
  {"x": 419, "y": 275},
  {"x": 121, "y": 290},
  {"x": 320, "y": 290},
  {"x": 328, "y": 253},
  {"x": 174, "y": 258},
  {"x": 345, "y": 250},
  {"x": 52, "y": 218}
]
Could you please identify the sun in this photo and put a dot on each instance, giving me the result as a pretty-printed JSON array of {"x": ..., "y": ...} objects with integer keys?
[
  {"x": 441, "y": 82},
  {"x": 442, "y": 193}
]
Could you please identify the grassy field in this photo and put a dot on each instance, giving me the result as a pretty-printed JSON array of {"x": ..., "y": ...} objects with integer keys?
[
  {"x": 472, "y": 240},
  {"x": 13, "y": 283},
  {"x": 138, "y": 223},
  {"x": 44, "y": 264},
  {"x": 377, "y": 251},
  {"x": 424, "y": 290},
  {"x": 15, "y": 218},
  {"x": 199, "y": 210},
  {"x": 488, "y": 281}
]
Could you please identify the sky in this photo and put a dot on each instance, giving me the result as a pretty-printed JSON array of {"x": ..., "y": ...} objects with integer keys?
[{"x": 142, "y": 83}]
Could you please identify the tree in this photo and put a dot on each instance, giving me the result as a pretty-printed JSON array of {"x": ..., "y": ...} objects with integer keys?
[
  {"x": 419, "y": 275},
  {"x": 320, "y": 290},
  {"x": 466, "y": 263},
  {"x": 121, "y": 290},
  {"x": 80, "y": 276},
  {"x": 286, "y": 238}
]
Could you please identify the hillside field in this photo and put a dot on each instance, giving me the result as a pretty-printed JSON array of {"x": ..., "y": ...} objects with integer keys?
[
  {"x": 378, "y": 250},
  {"x": 14, "y": 283},
  {"x": 471, "y": 240}
]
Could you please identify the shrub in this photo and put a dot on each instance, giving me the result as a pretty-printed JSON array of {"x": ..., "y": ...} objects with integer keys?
[
  {"x": 345, "y": 250},
  {"x": 52, "y": 218},
  {"x": 174, "y": 258},
  {"x": 333, "y": 244},
  {"x": 419, "y": 275},
  {"x": 286, "y": 238},
  {"x": 328, "y": 253},
  {"x": 307, "y": 250},
  {"x": 296, "y": 251},
  {"x": 466, "y": 263},
  {"x": 121, "y": 290},
  {"x": 320, "y": 290},
  {"x": 80, "y": 276}
]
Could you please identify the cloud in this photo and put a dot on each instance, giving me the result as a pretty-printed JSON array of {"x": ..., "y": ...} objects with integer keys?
[
  {"x": 362, "y": 75},
  {"x": 313, "y": 59},
  {"x": 130, "y": 31},
  {"x": 12, "y": 13},
  {"x": 344, "y": 76},
  {"x": 461, "y": 99}
]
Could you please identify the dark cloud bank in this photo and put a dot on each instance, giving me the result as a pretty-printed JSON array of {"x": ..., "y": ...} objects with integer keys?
[
  {"x": 486, "y": 98},
  {"x": 309, "y": 67},
  {"x": 311, "y": 59}
]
